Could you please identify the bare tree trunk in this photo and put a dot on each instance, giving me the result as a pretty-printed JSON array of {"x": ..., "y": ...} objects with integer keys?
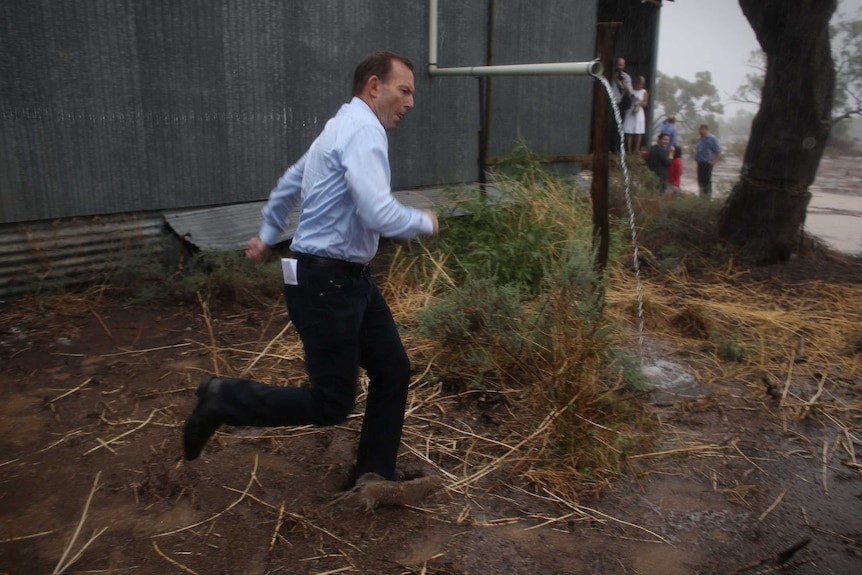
[{"x": 766, "y": 209}]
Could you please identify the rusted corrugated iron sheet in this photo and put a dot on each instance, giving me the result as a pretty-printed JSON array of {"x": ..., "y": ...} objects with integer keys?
[
  {"x": 230, "y": 227},
  {"x": 42, "y": 255},
  {"x": 51, "y": 254},
  {"x": 223, "y": 227}
]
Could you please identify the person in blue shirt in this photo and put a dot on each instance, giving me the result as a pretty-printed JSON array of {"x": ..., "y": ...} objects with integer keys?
[
  {"x": 342, "y": 184},
  {"x": 669, "y": 127},
  {"x": 706, "y": 154}
]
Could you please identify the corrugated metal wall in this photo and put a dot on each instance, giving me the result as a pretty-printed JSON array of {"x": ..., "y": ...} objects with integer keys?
[
  {"x": 116, "y": 106},
  {"x": 550, "y": 115},
  {"x": 47, "y": 255}
]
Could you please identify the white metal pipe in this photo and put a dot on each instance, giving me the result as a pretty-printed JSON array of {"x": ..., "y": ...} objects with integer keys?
[
  {"x": 592, "y": 68},
  {"x": 432, "y": 34}
]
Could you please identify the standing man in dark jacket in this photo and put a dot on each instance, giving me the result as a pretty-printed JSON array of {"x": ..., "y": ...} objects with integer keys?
[
  {"x": 659, "y": 160},
  {"x": 621, "y": 86},
  {"x": 342, "y": 185}
]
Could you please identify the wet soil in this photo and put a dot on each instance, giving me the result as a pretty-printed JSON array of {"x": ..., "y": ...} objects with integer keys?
[{"x": 95, "y": 390}]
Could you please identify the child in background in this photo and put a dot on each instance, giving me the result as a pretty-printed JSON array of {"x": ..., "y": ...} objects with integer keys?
[{"x": 674, "y": 171}]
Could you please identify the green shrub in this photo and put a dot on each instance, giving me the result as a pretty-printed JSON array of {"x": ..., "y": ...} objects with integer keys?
[
  {"x": 728, "y": 348},
  {"x": 521, "y": 307},
  {"x": 478, "y": 325},
  {"x": 224, "y": 276}
]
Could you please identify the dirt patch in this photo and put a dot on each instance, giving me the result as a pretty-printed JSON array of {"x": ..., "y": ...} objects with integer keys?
[
  {"x": 95, "y": 392},
  {"x": 101, "y": 391}
]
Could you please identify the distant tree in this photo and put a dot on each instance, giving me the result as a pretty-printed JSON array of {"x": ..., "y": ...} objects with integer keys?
[
  {"x": 691, "y": 102},
  {"x": 766, "y": 209},
  {"x": 749, "y": 91},
  {"x": 847, "y": 50}
]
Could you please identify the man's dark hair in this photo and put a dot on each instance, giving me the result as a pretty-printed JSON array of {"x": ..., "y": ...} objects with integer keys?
[{"x": 377, "y": 64}]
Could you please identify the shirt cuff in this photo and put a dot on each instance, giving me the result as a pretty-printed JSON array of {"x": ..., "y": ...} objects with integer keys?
[
  {"x": 426, "y": 226},
  {"x": 269, "y": 234}
]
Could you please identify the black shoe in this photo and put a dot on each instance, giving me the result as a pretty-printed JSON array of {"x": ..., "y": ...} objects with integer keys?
[{"x": 204, "y": 420}]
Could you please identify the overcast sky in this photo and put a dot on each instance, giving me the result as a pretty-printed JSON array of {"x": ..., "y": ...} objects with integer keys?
[{"x": 698, "y": 35}]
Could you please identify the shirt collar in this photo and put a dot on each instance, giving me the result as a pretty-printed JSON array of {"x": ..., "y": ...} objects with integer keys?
[{"x": 360, "y": 104}]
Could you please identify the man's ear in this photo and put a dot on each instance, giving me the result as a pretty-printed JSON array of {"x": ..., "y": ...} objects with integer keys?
[{"x": 372, "y": 86}]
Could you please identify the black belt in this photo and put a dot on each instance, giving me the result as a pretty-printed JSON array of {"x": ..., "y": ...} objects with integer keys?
[{"x": 341, "y": 265}]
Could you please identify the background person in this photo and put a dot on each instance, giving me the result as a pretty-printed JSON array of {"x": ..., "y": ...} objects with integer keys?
[
  {"x": 621, "y": 85},
  {"x": 658, "y": 160},
  {"x": 634, "y": 124},
  {"x": 706, "y": 154},
  {"x": 343, "y": 185},
  {"x": 674, "y": 171},
  {"x": 669, "y": 127}
]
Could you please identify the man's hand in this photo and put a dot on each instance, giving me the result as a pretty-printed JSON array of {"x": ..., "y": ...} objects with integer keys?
[
  {"x": 257, "y": 251},
  {"x": 433, "y": 217}
]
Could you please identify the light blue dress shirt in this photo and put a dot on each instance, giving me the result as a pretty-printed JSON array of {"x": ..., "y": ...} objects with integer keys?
[
  {"x": 707, "y": 148},
  {"x": 343, "y": 182}
]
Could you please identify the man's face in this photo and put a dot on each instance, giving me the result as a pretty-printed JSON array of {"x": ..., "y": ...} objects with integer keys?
[
  {"x": 664, "y": 140},
  {"x": 703, "y": 131},
  {"x": 621, "y": 64},
  {"x": 391, "y": 99}
]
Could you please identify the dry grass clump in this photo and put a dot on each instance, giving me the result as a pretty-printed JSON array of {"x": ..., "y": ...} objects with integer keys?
[
  {"x": 797, "y": 343},
  {"x": 507, "y": 309}
]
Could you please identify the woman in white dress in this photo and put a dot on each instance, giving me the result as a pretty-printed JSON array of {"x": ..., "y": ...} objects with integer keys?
[{"x": 634, "y": 124}]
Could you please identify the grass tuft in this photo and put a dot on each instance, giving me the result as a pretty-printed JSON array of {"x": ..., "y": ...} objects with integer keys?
[{"x": 521, "y": 311}]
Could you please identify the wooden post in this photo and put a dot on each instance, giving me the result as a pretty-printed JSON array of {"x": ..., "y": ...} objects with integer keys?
[{"x": 606, "y": 33}]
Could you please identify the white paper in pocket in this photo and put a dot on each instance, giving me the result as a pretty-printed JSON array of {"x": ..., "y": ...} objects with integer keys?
[{"x": 288, "y": 270}]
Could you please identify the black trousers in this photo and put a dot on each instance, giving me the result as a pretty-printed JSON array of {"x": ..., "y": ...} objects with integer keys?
[
  {"x": 704, "y": 177},
  {"x": 344, "y": 323}
]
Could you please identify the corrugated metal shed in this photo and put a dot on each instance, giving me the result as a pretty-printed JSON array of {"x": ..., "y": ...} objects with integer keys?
[
  {"x": 165, "y": 109},
  {"x": 117, "y": 106},
  {"x": 549, "y": 115},
  {"x": 51, "y": 254},
  {"x": 230, "y": 227},
  {"x": 637, "y": 41}
]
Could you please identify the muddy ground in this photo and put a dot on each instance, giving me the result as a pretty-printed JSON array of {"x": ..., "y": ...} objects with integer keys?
[{"x": 95, "y": 390}]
